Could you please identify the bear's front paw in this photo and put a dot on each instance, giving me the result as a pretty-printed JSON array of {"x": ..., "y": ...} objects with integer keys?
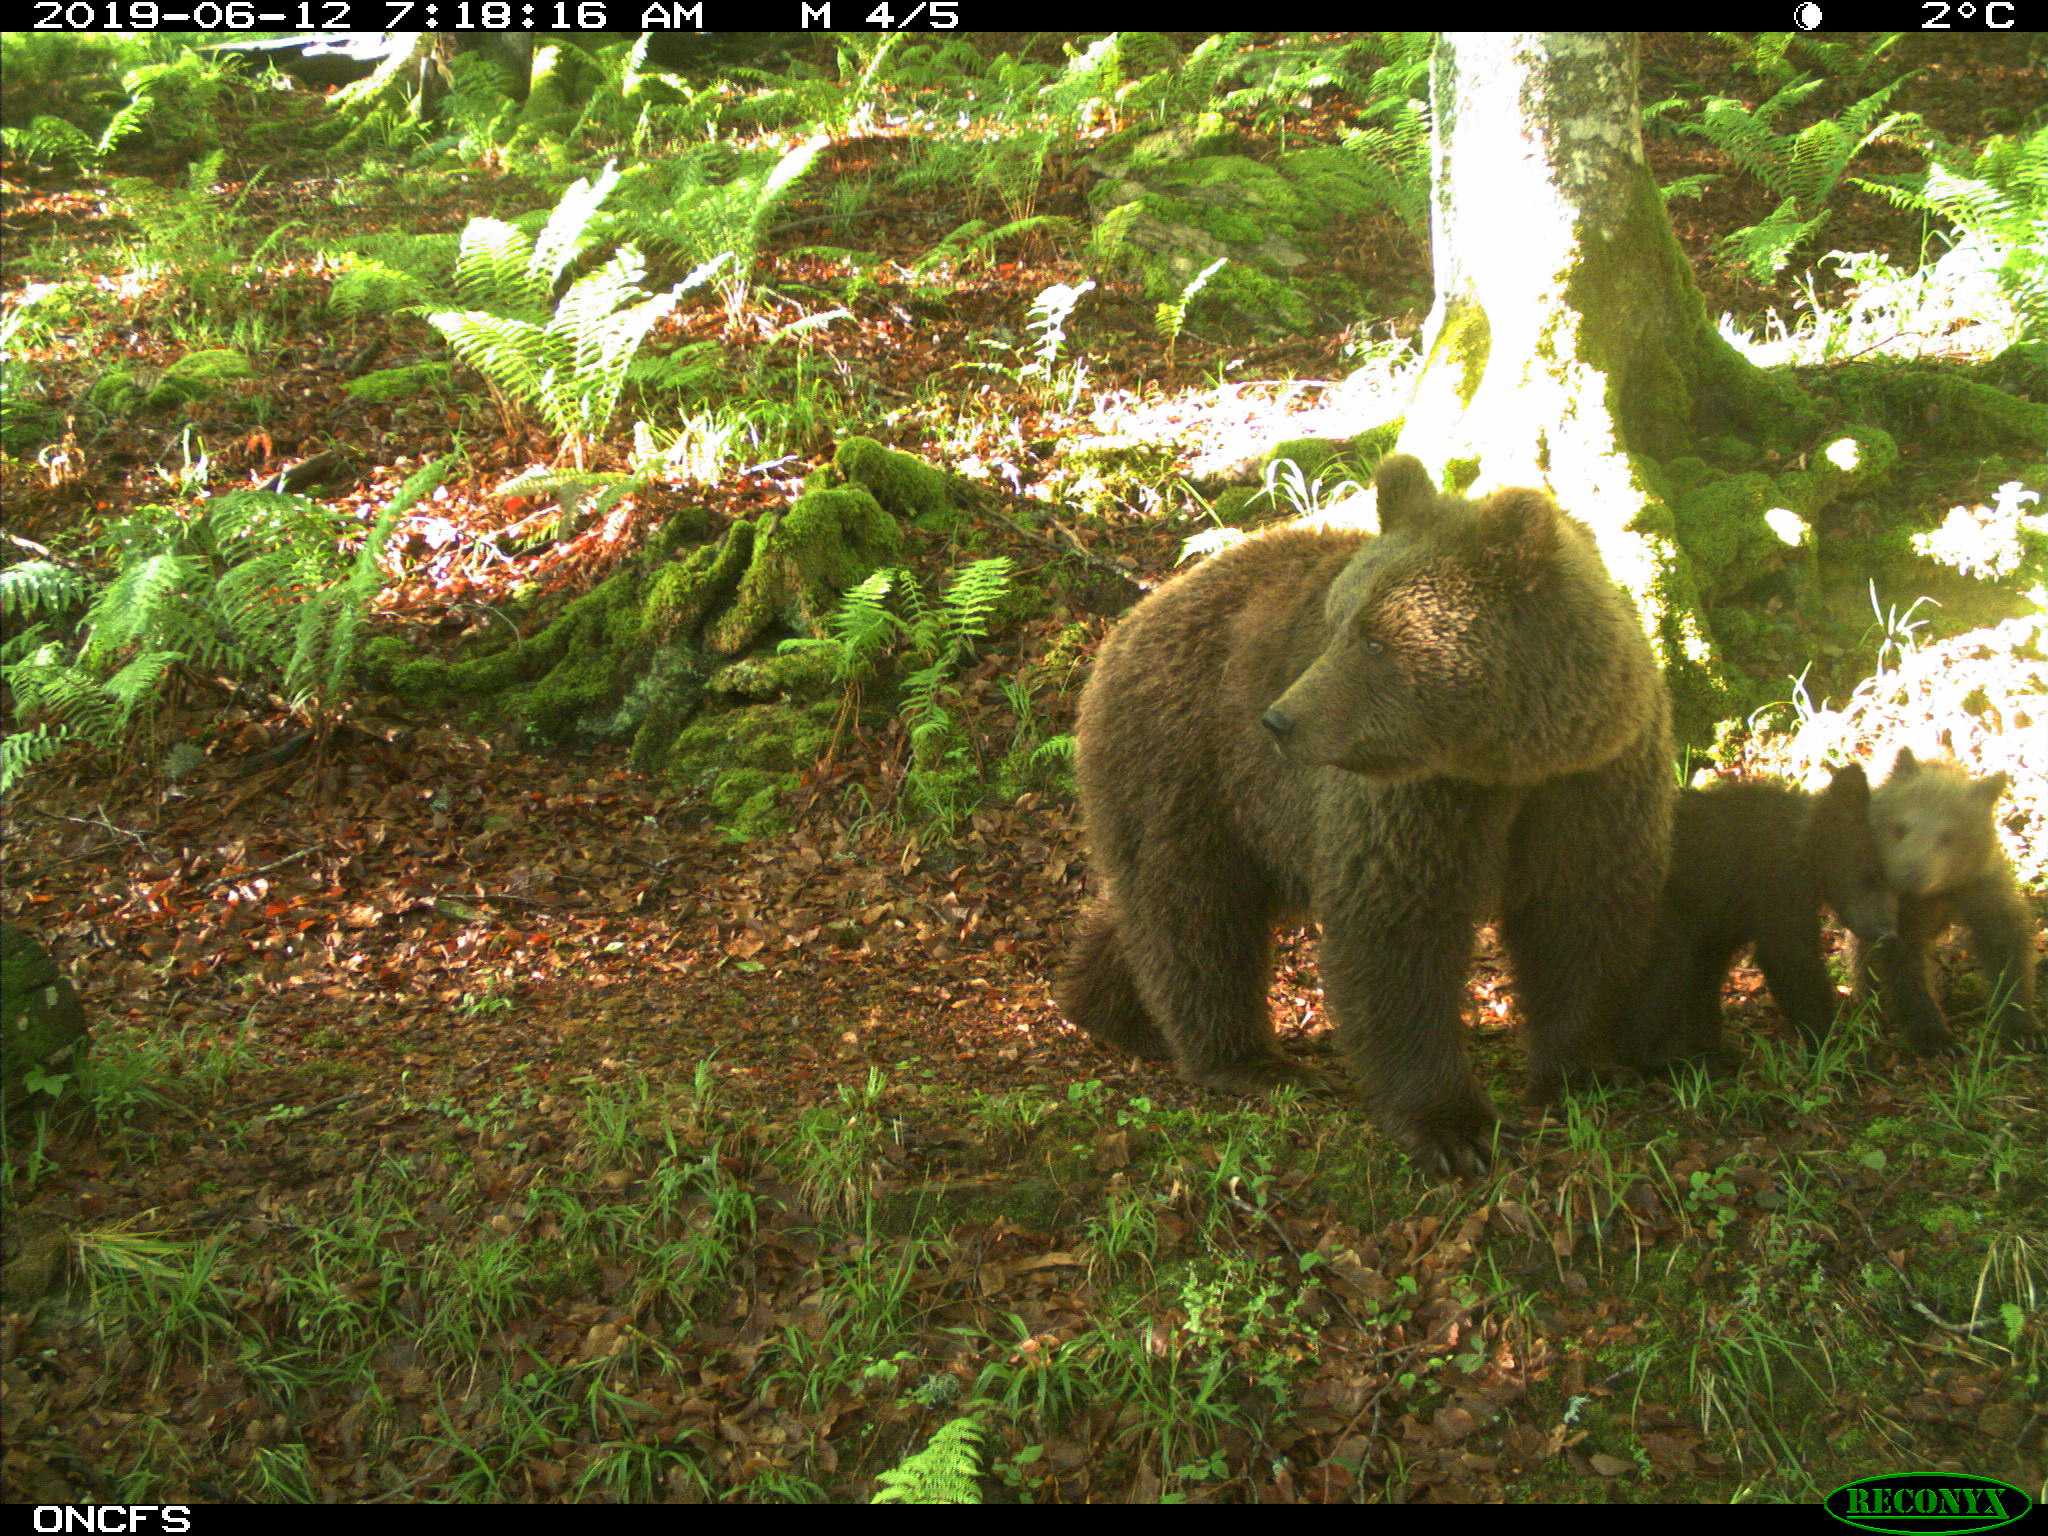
[{"x": 1451, "y": 1141}]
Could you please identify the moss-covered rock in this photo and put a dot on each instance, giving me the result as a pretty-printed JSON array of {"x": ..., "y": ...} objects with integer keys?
[
  {"x": 748, "y": 758},
  {"x": 2022, "y": 370},
  {"x": 1312, "y": 455},
  {"x": 795, "y": 675},
  {"x": 658, "y": 653},
  {"x": 683, "y": 594},
  {"x": 576, "y": 667},
  {"x": 1739, "y": 531},
  {"x": 903, "y": 484}
]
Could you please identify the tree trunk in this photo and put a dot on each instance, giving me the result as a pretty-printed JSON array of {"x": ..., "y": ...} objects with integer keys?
[{"x": 1567, "y": 346}]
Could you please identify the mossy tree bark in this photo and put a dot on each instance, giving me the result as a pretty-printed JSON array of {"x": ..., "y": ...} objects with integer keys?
[{"x": 1567, "y": 345}]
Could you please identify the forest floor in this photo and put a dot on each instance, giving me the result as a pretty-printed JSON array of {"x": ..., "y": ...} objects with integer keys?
[{"x": 470, "y": 1121}]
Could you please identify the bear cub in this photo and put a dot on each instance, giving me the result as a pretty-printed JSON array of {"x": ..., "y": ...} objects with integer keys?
[
  {"x": 1398, "y": 736},
  {"x": 1941, "y": 854},
  {"x": 1753, "y": 864}
]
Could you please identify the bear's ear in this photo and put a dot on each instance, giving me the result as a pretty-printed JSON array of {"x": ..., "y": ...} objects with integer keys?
[
  {"x": 1849, "y": 789},
  {"x": 1403, "y": 492},
  {"x": 1905, "y": 765},
  {"x": 1988, "y": 790},
  {"x": 1519, "y": 527}
]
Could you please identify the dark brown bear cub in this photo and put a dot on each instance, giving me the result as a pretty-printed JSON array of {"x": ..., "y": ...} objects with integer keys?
[
  {"x": 1754, "y": 864},
  {"x": 1941, "y": 854},
  {"x": 1400, "y": 736}
]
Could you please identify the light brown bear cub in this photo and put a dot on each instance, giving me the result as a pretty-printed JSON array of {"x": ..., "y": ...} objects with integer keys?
[
  {"x": 1399, "y": 736},
  {"x": 1941, "y": 854}
]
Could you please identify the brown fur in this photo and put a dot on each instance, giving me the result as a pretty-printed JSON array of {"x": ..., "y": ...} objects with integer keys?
[
  {"x": 1469, "y": 723},
  {"x": 1941, "y": 854},
  {"x": 1754, "y": 864}
]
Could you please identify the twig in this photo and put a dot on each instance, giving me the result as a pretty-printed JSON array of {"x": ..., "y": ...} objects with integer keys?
[{"x": 99, "y": 821}]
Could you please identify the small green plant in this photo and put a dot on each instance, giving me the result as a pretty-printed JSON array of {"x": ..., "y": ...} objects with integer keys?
[
  {"x": 1172, "y": 315},
  {"x": 946, "y": 1471},
  {"x": 1898, "y": 634},
  {"x": 1050, "y": 312},
  {"x": 838, "y": 1150},
  {"x": 714, "y": 217}
]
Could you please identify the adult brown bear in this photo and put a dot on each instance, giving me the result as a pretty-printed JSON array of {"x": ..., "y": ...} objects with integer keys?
[{"x": 1400, "y": 736}]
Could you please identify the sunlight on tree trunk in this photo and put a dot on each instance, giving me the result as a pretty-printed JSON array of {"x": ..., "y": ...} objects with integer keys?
[{"x": 1567, "y": 345}]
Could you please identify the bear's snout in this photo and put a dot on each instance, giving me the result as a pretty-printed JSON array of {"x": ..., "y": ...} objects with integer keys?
[{"x": 1281, "y": 725}]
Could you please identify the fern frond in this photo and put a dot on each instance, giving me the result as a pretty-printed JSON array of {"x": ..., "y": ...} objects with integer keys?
[
  {"x": 565, "y": 235},
  {"x": 492, "y": 268},
  {"x": 32, "y": 587},
  {"x": 946, "y": 1471},
  {"x": 22, "y": 750},
  {"x": 973, "y": 597},
  {"x": 154, "y": 597}
]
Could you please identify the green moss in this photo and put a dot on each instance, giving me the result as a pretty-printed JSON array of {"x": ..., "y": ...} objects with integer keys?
[
  {"x": 684, "y": 593},
  {"x": 197, "y": 375},
  {"x": 904, "y": 485},
  {"x": 749, "y": 757},
  {"x": 1310, "y": 454},
  {"x": 382, "y": 657},
  {"x": 1941, "y": 408},
  {"x": 577, "y": 665},
  {"x": 1463, "y": 344},
  {"x": 1684, "y": 473},
  {"x": 1375, "y": 443},
  {"x": 1237, "y": 505},
  {"x": 2021, "y": 369},
  {"x": 826, "y": 542},
  {"x": 387, "y": 384},
  {"x": 772, "y": 677},
  {"x": 1730, "y": 453},
  {"x": 115, "y": 392},
  {"x": 1851, "y": 462}
]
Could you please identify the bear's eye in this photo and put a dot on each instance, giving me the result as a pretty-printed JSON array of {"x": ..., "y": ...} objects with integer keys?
[{"x": 1898, "y": 830}]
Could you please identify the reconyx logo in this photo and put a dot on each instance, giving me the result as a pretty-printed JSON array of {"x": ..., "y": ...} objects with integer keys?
[{"x": 1917, "y": 1502}]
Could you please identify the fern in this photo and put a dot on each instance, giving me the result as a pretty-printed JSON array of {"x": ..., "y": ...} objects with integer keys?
[
  {"x": 255, "y": 586},
  {"x": 1804, "y": 167},
  {"x": 39, "y": 589},
  {"x": 329, "y": 631},
  {"x": 706, "y": 214},
  {"x": 1997, "y": 203},
  {"x": 936, "y": 637},
  {"x": 1396, "y": 159},
  {"x": 173, "y": 99},
  {"x": 1012, "y": 169},
  {"x": 946, "y": 1471},
  {"x": 569, "y": 366}
]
